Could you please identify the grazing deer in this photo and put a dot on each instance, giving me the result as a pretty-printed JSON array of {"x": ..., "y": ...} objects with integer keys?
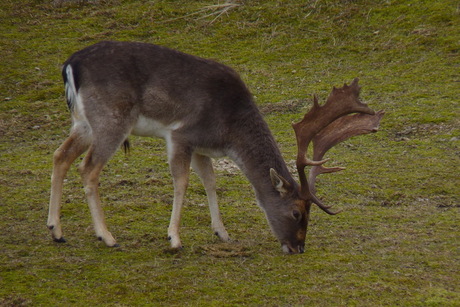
[{"x": 202, "y": 109}]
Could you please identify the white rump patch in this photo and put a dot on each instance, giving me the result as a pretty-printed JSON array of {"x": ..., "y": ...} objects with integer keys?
[{"x": 70, "y": 90}]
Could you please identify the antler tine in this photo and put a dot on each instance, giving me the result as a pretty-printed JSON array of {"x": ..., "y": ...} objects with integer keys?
[
  {"x": 341, "y": 101},
  {"x": 338, "y": 131}
]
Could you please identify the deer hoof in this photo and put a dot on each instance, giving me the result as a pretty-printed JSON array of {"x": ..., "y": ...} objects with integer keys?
[
  {"x": 108, "y": 240},
  {"x": 175, "y": 242},
  {"x": 222, "y": 234}
]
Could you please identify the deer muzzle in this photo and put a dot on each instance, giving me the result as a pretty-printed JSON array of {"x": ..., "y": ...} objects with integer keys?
[{"x": 289, "y": 249}]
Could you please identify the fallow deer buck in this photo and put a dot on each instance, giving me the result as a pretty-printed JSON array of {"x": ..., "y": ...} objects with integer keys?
[{"x": 202, "y": 109}]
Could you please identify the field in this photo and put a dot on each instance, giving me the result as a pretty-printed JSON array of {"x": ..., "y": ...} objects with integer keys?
[{"x": 395, "y": 243}]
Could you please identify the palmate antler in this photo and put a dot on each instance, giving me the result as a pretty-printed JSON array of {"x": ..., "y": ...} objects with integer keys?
[{"x": 327, "y": 126}]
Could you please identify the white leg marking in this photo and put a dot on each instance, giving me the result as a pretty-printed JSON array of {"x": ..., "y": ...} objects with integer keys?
[
  {"x": 180, "y": 185},
  {"x": 203, "y": 167},
  {"x": 90, "y": 175},
  {"x": 64, "y": 156},
  {"x": 179, "y": 164}
]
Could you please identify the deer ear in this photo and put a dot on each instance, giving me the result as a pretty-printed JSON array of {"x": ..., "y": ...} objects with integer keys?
[{"x": 279, "y": 183}]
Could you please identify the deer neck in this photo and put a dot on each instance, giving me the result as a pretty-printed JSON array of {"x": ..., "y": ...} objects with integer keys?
[{"x": 255, "y": 154}]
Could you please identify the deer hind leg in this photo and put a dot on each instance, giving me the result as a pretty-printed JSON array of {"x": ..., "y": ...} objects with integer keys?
[
  {"x": 203, "y": 167},
  {"x": 75, "y": 145},
  {"x": 101, "y": 150}
]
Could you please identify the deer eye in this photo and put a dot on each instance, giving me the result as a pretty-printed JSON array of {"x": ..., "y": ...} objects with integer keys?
[{"x": 297, "y": 215}]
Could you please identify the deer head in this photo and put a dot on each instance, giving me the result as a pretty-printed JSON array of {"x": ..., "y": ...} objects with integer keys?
[{"x": 325, "y": 126}]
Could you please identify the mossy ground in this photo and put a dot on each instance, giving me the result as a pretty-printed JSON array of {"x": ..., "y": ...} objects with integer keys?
[{"x": 395, "y": 243}]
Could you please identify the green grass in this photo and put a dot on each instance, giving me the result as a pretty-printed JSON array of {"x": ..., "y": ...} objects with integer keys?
[{"x": 395, "y": 243}]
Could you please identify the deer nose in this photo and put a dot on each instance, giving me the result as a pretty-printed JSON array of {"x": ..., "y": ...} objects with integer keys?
[
  {"x": 287, "y": 249},
  {"x": 301, "y": 249}
]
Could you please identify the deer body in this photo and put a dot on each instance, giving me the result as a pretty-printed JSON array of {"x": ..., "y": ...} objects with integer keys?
[{"x": 202, "y": 109}]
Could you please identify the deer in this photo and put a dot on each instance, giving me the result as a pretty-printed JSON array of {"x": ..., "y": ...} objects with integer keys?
[{"x": 203, "y": 110}]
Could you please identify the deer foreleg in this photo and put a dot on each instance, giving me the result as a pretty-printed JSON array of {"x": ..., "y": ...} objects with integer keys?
[
  {"x": 203, "y": 167},
  {"x": 179, "y": 164}
]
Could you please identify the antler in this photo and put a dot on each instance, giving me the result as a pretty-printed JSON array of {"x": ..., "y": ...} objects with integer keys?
[
  {"x": 338, "y": 131},
  {"x": 327, "y": 126}
]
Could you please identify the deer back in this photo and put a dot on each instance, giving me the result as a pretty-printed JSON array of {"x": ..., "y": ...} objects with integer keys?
[{"x": 153, "y": 86}]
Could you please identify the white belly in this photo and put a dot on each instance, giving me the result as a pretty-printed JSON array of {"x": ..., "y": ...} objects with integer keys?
[{"x": 145, "y": 126}]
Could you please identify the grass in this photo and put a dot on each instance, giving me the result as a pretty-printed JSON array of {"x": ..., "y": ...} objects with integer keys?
[{"x": 395, "y": 243}]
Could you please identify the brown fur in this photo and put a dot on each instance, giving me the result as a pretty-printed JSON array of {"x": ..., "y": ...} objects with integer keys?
[{"x": 199, "y": 106}]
